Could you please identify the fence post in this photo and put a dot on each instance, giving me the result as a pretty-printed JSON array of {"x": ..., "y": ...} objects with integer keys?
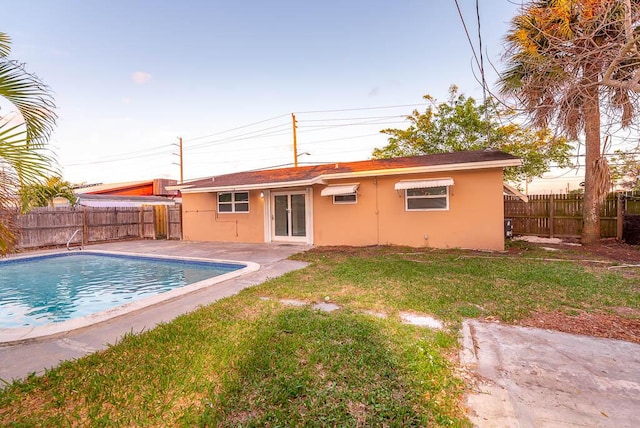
[
  {"x": 619, "y": 217},
  {"x": 155, "y": 219},
  {"x": 167, "y": 224},
  {"x": 85, "y": 227},
  {"x": 551, "y": 211},
  {"x": 141, "y": 224}
]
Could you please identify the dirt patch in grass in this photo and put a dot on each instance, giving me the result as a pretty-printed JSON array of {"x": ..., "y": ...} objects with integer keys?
[
  {"x": 607, "y": 250},
  {"x": 609, "y": 326}
]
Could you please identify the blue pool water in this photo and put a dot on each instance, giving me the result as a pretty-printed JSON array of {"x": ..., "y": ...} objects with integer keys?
[{"x": 48, "y": 289}]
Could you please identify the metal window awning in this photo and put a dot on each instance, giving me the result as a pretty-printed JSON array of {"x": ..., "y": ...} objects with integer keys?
[
  {"x": 344, "y": 189},
  {"x": 423, "y": 184}
]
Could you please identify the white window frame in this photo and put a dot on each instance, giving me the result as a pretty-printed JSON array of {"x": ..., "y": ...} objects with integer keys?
[
  {"x": 355, "y": 201},
  {"x": 407, "y": 198},
  {"x": 233, "y": 203}
]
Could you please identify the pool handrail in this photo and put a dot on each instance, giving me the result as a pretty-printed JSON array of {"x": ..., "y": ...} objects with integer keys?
[{"x": 70, "y": 239}]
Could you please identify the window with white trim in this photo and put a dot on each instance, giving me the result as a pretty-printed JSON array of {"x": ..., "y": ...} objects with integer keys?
[
  {"x": 233, "y": 202},
  {"x": 427, "y": 199},
  {"x": 347, "y": 198}
]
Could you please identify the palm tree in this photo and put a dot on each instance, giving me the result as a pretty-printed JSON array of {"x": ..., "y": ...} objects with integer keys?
[
  {"x": 567, "y": 59},
  {"x": 42, "y": 194},
  {"x": 23, "y": 137}
]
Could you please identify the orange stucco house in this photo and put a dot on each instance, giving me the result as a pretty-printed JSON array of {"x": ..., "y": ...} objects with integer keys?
[{"x": 441, "y": 200}]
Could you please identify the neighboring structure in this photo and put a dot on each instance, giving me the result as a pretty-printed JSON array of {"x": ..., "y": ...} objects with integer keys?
[
  {"x": 441, "y": 200},
  {"x": 128, "y": 194}
]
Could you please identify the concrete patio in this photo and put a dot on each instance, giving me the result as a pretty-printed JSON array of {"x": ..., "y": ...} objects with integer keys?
[
  {"x": 529, "y": 377},
  {"x": 34, "y": 356}
]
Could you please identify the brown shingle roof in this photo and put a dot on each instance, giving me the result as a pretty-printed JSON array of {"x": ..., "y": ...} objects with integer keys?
[{"x": 303, "y": 173}]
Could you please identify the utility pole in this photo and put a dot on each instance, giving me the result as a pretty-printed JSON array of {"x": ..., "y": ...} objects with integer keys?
[
  {"x": 295, "y": 143},
  {"x": 181, "y": 165},
  {"x": 180, "y": 156}
]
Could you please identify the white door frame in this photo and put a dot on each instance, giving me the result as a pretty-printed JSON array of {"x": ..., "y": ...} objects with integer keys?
[{"x": 269, "y": 216}]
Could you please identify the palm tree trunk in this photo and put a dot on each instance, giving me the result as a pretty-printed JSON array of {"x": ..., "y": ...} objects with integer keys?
[{"x": 591, "y": 207}]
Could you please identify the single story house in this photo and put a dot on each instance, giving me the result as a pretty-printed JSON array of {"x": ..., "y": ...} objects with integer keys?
[{"x": 442, "y": 200}]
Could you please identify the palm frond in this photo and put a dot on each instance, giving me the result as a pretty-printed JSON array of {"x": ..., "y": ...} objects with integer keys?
[
  {"x": 5, "y": 44},
  {"x": 9, "y": 206},
  {"x": 31, "y": 97},
  {"x": 30, "y": 163}
]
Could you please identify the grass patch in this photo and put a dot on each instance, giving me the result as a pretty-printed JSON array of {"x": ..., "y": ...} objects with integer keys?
[
  {"x": 246, "y": 361},
  {"x": 453, "y": 285},
  {"x": 339, "y": 369}
]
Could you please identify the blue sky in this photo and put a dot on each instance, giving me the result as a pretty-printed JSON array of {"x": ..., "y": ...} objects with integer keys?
[{"x": 129, "y": 77}]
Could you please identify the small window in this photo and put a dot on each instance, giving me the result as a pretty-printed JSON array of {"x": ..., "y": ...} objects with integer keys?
[
  {"x": 237, "y": 202},
  {"x": 427, "y": 199},
  {"x": 349, "y": 198}
]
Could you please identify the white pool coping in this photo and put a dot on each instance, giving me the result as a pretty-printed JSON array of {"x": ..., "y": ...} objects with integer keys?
[{"x": 19, "y": 334}]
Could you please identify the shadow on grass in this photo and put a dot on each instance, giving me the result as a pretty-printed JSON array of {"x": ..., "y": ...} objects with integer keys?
[{"x": 305, "y": 367}]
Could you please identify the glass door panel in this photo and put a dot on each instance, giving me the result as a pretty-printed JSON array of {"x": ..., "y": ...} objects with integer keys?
[
  {"x": 298, "y": 216},
  {"x": 281, "y": 215}
]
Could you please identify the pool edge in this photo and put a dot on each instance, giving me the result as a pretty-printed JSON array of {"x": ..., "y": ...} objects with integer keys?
[{"x": 11, "y": 336}]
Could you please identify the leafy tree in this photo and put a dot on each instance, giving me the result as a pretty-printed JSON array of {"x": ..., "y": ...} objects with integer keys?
[
  {"x": 24, "y": 159},
  {"x": 43, "y": 193},
  {"x": 625, "y": 169},
  {"x": 463, "y": 124},
  {"x": 571, "y": 63}
]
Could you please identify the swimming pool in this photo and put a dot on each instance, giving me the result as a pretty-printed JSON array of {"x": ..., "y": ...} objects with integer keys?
[{"x": 74, "y": 289}]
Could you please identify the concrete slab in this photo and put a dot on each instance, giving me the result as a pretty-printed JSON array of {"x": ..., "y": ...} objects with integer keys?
[
  {"x": 326, "y": 307},
  {"x": 34, "y": 356},
  {"x": 421, "y": 320},
  {"x": 539, "y": 378}
]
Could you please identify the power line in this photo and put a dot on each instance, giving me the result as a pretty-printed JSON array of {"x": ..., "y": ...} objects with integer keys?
[
  {"x": 238, "y": 127},
  {"x": 233, "y": 139},
  {"x": 243, "y": 149},
  {"x": 130, "y": 154},
  {"x": 340, "y": 139},
  {"x": 361, "y": 108},
  {"x": 482, "y": 75},
  {"x": 322, "y": 128},
  {"x": 464, "y": 25},
  {"x": 302, "y": 112},
  {"x": 353, "y": 118},
  {"x": 125, "y": 159}
]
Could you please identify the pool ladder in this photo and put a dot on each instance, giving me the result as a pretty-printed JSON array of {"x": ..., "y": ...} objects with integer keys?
[{"x": 71, "y": 239}]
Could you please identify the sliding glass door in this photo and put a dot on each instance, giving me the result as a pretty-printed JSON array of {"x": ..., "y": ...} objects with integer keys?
[{"x": 289, "y": 216}]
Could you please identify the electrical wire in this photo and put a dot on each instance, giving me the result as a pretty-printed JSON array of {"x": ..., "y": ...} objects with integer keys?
[
  {"x": 236, "y": 128},
  {"x": 233, "y": 140},
  {"x": 362, "y": 108},
  {"x": 354, "y": 118},
  {"x": 466, "y": 31},
  {"x": 237, "y": 137},
  {"x": 341, "y": 139}
]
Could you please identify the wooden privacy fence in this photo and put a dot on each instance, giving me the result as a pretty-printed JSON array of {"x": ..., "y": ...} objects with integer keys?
[
  {"x": 561, "y": 215},
  {"x": 44, "y": 227}
]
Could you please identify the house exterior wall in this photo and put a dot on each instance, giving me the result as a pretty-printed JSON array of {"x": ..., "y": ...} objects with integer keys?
[
  {"x": 202, "y": 222},
  {"x": 475, "y": 217}
]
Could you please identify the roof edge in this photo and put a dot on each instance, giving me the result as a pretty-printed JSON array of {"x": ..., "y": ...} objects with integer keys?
[
  {"x": 256, "y": 186},
  {"x": 380, "y": 172}
]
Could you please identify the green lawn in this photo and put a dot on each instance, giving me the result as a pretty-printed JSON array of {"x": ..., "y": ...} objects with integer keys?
[{"x": 250, "y": 360}]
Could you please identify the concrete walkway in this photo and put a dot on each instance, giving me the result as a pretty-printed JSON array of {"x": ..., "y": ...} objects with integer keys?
[
  {"x": 19, "y": 360},
  {"x": 529, "y": 377}
]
